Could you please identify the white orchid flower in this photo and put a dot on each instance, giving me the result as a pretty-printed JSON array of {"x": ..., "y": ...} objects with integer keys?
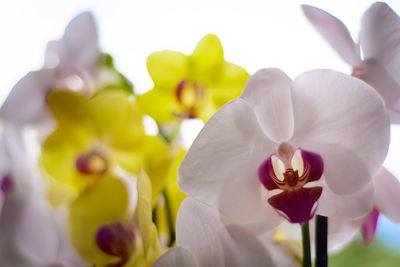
[
  {"x": 69, "y": 63},
  {"x": 28, "y": 225},
  {"x": 281, "y": 136},
  {"x": 380, "y": 43},
  {"x": 379, "y": 66},
  {"x": 204, "y": 241}
]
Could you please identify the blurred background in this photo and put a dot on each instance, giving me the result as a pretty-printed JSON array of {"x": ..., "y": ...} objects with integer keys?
[{"x": 254, "y": 34}]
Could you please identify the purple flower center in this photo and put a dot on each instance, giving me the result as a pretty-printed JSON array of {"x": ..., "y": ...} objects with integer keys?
[
  {"x": 92, "y": 163},
  {"x": 117, "y": 240},
  {"x": 289, "y": 170},
  {"x": 190, "y": 96}
]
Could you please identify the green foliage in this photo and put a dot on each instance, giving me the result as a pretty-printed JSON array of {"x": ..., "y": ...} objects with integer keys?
[{"x": 376, "y": 254}]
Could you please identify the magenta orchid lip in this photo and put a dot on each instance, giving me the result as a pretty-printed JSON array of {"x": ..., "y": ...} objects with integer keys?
[{"x": 297, "y": 203}]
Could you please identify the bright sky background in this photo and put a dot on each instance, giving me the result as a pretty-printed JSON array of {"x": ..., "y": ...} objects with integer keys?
[{"x": 254, "y": 33}]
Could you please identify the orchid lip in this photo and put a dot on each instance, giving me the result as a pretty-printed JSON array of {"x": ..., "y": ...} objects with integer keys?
[
  {"x": 190, "y": 96},
  {"x": 290, "y": 170},
  {"x": 116, "y": 239},
  {"x": 92, "y": 163}
]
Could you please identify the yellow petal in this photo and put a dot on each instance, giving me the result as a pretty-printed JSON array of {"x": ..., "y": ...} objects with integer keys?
[
  {"x": 207, "y": 59},
  {"x": 116, "y": 117},
  {"x": 144, "y": 210},
  {"x": 175, "y": 195},
  {"x": 160, "y": 105},
  {"x": 167, "y": 68},
  {"x": 152, "y": 155},
  {"x": 229, "y": 85},
  {"x": 73, "y": 116},
  {"x": 106, "y": 201},
  {"x": 59, "y": 153}
]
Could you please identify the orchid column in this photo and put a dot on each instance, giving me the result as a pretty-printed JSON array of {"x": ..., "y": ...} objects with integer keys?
[{"x": 275, "y": 149}]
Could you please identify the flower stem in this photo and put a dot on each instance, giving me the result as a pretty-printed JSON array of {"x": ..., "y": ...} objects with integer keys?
[
  {"x": 321, "y": 236},
  {"x": 305, "y": 231},
  {"x": 169, "y": 218}
]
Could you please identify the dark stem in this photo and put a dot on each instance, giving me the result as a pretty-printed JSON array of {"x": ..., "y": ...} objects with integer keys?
[
  {"x": 169, "y": 219},
  {"x": 305, "y": 231},
  {"x": 321, "y": 241}
]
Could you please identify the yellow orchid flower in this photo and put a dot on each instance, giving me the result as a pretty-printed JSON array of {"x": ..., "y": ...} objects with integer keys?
[
  {"x": 192, "y": 86},
  {"x": 97, "y": 136},
  {"x": 110, "y": 223}
]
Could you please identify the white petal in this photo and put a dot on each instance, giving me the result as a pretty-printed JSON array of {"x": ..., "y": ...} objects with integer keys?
[
  {"x": 378, "y": 77},
  {"x": 244, "y": 249},
  {"x": 380, "y": 37},
  {"x": 283, "y": 251},
  {"x": 32, "y": 230},
  {"x": 197, "y": 229},
  {"x": 352, "y": 206},
  {"x": 27, "y": 219},
  {"x": 26, "y": 102},
  {"x": 268, "y": 92},
  {"x": 200, "y": 230},
  {"x": 344, "y": 120},
  {"x": 388, "y": 194},
  {"x": 79, "y": 46},
  {"x": 176, "y": 257},
  {"x": 341, "y": 232},
  {"x": 334, "y": 32},
  {"x": 221, "y": 166}
]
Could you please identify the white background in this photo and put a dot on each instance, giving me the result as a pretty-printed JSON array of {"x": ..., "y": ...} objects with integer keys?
[{"x": 254, "y": 33}]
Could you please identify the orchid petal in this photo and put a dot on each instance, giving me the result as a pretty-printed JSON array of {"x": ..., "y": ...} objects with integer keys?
[
  {"x": 380, "y": 37},
  {"x": 159, "y": 105},
  {"x": 244, "y": 249},
  {"x": 334, "y": 32},
  {"x": 387, "y": 194},
  {"x": 313, "y": 165},
  {"x": 26, "y": 102},
  {"x": 176, "y": 257},
  {"x": 167, "y": 69},
  {"x": 78, "y": 47},
  {"x": 368, "y": 227},
  {"x": 207, "y": 226},
  {"x": 375, "y": 74},
  {"x": 31, "y": 227},
  {"x": 221, "y": 165},
  {"x": 104, "y": 202},
  {"x": 348, "y": 126},
  {"x": 340, "y": 232},
  {"x": 230, "y": 246},
  {"x": 351, "y": 206},
  {"x": 207, "y": 57},
  {"x": 267, "y": 175},
  {"x": 269, "y": 93}
]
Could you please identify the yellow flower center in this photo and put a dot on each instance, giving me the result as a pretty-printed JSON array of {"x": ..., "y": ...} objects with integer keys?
[
  {"x": 92, "y": 163},
  {"x": 191, "y": 97}
]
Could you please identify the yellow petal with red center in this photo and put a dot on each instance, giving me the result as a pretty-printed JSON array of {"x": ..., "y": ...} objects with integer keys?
[
  {"x": 58, "y": 158},
  {"x": 105, "y": 202},
  {"x": 167, "y": 68},
  {"x": 206, "y": 59}
]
